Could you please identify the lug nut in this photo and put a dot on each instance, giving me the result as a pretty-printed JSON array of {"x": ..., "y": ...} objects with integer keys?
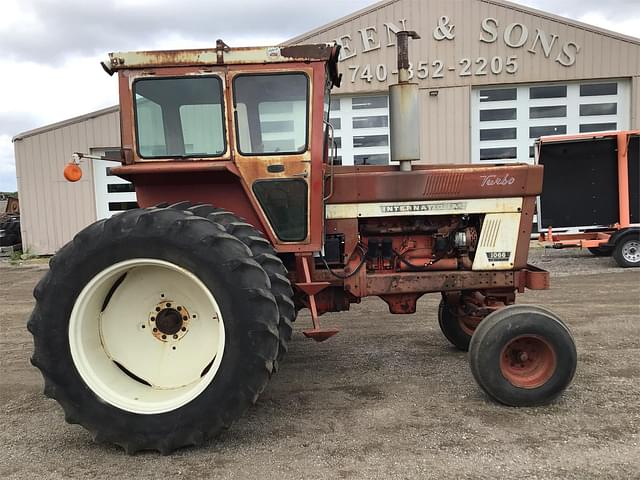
[
  {"x": 175, "y": 336},
  {"x": 178, "y": 308},
  {"x": 164, "y": 337}
]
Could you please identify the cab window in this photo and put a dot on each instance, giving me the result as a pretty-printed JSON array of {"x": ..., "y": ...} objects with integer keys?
[
  {"x": 272, "y": 113},
  {"x": 179, "y": 117}
]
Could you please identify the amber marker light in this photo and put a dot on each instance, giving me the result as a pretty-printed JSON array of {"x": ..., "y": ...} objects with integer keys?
[{"x": 72, "y": 172}]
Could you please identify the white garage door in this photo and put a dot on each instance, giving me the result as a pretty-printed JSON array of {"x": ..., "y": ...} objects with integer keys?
[
  {"x": 361, "y": 129},
  {"x": 113, "y": 194},
  {"x": 507, "y": 120}
]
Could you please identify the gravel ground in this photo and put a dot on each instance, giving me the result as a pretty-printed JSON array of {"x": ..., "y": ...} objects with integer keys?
[{"x": 386, "y": 398}]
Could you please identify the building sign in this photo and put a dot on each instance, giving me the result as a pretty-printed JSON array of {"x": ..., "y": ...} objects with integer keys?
[{"x": 524, "y": 40}]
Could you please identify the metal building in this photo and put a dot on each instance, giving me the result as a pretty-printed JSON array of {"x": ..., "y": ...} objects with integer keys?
[{"x": 493, "y": 76}]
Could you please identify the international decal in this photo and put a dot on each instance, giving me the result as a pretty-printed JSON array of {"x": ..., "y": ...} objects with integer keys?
[{"x": 423, "y": 207}]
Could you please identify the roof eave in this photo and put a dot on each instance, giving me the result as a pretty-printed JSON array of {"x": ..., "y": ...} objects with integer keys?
[
  {"x": 501, "y": 3},
  {"x": 65, "y": 123}
]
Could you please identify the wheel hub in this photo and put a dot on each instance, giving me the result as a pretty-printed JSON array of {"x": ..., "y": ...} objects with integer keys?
[
  {"x": 169, "y": 321},
  {"x": 631, "y": 251},
  {"x": 528, "y": 361}
]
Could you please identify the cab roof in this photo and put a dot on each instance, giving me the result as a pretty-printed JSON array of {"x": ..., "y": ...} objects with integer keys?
[{"x": 222, "y": 54}]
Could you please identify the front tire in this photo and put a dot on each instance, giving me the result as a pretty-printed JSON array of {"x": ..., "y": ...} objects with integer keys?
[
  {"x": 522, "y": 355},
  {"x": 113, "y": 344},
  {"x": 458, "y": 330}
]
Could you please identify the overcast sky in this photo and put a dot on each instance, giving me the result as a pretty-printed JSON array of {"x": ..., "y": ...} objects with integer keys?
[{"x": 50, "y": 49}]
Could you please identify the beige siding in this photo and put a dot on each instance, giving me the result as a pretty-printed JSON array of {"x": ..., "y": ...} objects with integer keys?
[
  {"x": 635, "y": 103},
  {"x": 601, "y": 55},
  {"x": 445, "y": 123},
  {"x": 54, "y": 210},
  {"x": 446, "y": 117}
]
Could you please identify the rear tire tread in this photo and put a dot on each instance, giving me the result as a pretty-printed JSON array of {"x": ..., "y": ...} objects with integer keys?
[{"x": 107, "y": 423}]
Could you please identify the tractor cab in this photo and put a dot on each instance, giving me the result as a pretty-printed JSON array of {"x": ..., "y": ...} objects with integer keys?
[{"x": 243, "y": 128}]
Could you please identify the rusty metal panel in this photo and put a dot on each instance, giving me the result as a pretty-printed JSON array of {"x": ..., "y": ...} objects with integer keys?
[
  {"x": 54, "y": 210},
  {"x": 400, "y": 283},
  {"x": 385, "y": 184},
  {"x": 220, "y": 55}
]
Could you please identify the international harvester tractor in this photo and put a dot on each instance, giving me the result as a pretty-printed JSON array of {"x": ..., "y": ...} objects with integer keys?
[{"x": 158, "y": 327}]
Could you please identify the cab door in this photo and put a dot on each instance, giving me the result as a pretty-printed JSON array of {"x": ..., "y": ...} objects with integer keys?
[{"x": 275, "y": 147}]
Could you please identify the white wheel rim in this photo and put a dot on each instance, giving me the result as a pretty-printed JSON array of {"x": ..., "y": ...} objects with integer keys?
[
  {"x": 631, "y": 251},
  {"x": 176, "y": 369}
]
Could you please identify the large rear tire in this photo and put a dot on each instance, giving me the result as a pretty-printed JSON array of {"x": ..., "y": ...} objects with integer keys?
[
  {"x": 523, "y": 355},
  {"x": 154, "y": 329},
  {"x": 263, "y": 253}
]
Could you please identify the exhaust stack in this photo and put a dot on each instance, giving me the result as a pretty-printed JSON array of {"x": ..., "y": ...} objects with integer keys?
[{"x": 404, "y": 115}]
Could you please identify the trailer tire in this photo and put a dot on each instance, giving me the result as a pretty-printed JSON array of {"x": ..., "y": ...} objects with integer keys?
[
  {"x": 627, "y": 251},
  {"x": 263, "y": 253},
  {"x": 197, "y": 265},
  {"x": 523, "y": 355}
]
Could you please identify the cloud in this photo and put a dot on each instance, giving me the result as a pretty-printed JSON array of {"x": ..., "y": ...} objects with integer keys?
[
  {"x": 611, "y": 10},
  {"x": 617, "y": 15},
  {"x": 53, "y": 30},
  {"x": 15, "y": 122},
  {"x": 50, "y": 31}
]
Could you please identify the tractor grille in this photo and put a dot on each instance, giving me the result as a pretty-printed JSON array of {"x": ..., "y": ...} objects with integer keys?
[{"x": 490, "y": 231}]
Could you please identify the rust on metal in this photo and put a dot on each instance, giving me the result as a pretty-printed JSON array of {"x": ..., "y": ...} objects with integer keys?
[
  {"x": 317, "y": 333},
  {"x": 533, "y": 278},
  {"x": 470, "y": 307},
  {"x": 385, "y": 183},
  {"x": 169, "y": 322},
  {"x": 222, "y": 54},
  {"x": 401, "y": 303},
  {"x": 174, "y": 167}
]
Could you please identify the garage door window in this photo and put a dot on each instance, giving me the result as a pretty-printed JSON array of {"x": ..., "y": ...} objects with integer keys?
[
  {"x": 361, "y": 129},
  {"x": 507, "y": 120}
]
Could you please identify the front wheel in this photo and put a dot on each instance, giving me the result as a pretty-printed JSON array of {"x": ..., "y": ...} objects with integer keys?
[
  {"x": 458, "y": 329},
  {"x": 154, "y": 329},
  {"x": 523, "y": 355}
]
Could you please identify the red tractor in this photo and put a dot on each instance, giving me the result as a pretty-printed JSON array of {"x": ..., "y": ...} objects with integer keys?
[{"x": 158, "y": 327}]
